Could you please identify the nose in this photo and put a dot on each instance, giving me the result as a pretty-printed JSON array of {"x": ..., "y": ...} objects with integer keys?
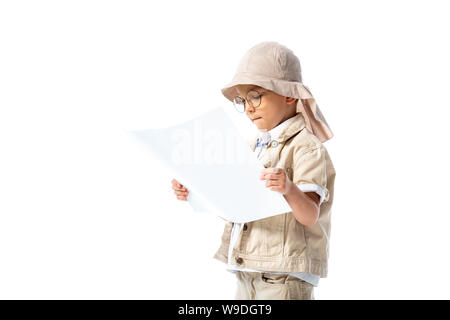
[{"x": 249, "y": 109}]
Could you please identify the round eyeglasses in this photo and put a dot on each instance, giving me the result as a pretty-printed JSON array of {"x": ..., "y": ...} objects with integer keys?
[{"x": 253, "y": 99}]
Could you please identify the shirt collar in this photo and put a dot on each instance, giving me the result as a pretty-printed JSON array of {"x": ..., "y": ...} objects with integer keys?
[{"x": 275, "y": 132}]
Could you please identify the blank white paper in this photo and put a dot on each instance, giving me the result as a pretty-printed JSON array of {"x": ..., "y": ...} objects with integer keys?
[{"x": 213, "y": 160}]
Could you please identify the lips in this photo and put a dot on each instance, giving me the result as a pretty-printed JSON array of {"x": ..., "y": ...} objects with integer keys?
[{"x": 256, "y": 118}]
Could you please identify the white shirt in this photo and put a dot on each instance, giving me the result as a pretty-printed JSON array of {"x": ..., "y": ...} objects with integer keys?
[{"x": 265, "y": 138}]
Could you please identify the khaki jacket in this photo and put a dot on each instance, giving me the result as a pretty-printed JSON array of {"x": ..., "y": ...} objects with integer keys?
[{"x": 281, "y": 243}]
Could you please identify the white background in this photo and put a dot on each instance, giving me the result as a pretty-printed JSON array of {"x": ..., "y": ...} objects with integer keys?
[{"x": 86, "y": 213}]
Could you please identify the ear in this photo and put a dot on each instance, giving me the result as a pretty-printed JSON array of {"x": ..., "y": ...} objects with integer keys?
[{"x": 290, "y": 100}]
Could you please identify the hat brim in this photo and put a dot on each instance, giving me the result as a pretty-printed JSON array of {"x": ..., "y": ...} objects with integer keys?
[{"x": 285, "y": 88}]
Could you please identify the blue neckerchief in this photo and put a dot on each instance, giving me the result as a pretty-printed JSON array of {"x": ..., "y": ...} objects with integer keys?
[{"x": 259, "y": 144}]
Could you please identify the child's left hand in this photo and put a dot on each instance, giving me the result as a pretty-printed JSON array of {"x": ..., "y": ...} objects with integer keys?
[{"x": 277, "y": 179}]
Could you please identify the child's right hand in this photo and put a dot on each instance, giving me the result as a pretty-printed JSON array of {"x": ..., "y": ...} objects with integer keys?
[{"x": 180, "y": 191}]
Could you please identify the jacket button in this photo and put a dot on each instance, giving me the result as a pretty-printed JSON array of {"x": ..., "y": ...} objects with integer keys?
[
  {"x": 274, "y": 143},
  {"x": 239, "y": 260},
  {"x": 245, "y": 227}
]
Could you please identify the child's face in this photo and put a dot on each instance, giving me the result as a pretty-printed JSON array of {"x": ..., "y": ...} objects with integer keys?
[{"x": 272, "y": 110}]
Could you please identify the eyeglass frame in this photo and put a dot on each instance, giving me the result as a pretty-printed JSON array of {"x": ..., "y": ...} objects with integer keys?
[{"x": 260, "y": 94}]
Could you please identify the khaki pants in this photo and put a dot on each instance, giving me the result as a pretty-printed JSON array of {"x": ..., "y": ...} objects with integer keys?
[{"x": 268, "y": 286}]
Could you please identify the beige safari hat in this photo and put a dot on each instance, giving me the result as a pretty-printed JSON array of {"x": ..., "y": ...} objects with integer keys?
[{"x": 276, "y": 68}]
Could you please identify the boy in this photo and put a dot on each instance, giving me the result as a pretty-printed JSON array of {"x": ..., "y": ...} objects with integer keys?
[{"x": 282, "y": 256}]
